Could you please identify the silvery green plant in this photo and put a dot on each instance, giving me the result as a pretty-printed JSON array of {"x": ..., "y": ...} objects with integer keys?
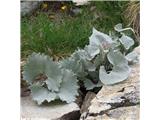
[
  {"x": 104, "y": 61},
  {"x": 48, "y": 81}
]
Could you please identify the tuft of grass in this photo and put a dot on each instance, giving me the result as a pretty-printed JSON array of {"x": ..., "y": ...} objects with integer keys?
[
  {"x": 132, "y": 17},
  {"x": 64, "y": 33}
]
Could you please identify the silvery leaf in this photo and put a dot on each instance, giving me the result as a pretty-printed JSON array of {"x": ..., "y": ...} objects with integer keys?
[
  {"x": 73, "y": 65},
  {"x": 69, "y": 87},
  {"x": 96, "y": 40},
  {"x": 119, "y": 28},
  {"x": 36, "y": 64},
  {"x": 100, "y": 58},
  {"x": 126, "y": 41},
  {"x": 41, "y": 94},
  {"x": 132, "y": 57},
  {"x": 93, "y": 50},
  {"x": 116, "y": 58},
  {"x": 118, "y": 74},
  {"x": 83, "y": 57},
  {"x": 54, "y": 75}
]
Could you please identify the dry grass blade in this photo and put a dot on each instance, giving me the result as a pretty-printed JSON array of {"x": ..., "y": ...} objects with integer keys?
[{"x": 132, "y": 16}]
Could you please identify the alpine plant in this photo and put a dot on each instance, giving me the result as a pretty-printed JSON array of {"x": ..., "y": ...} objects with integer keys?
[{"x": 104, "y": 61}]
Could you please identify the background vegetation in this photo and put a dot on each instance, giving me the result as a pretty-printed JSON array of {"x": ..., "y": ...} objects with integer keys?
[{"x": 57, "y": 29}]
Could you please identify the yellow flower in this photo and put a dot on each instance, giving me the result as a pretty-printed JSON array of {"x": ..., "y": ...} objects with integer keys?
[
  {"x": 64, "y": 7},
  {"x": 45, "y": 5}
]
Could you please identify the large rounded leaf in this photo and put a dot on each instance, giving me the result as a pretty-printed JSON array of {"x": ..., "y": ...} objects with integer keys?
[
  {"x": 96, "y": 41},
  {"x": 98, "y": 38},
  {"x": 36, "y": 64},
  {"x": 116, "y": 58},
  {"x": 120, "y": 70},
  {"x": 118, "y": 74}
]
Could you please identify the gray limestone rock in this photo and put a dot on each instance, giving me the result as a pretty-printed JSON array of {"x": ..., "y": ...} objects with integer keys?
[
  {"x": 31, "y": 111},
  {"x": 27, "y": 7},
  {"x": 122, "y": 113}
]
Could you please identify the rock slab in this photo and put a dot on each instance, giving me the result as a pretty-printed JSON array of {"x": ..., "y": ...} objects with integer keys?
[{"x": 54, "y": 111}]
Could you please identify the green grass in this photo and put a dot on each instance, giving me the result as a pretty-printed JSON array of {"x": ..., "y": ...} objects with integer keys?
[{"x": 64, "y": 34}]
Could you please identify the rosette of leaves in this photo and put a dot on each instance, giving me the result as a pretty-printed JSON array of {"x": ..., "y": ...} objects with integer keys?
[
  {"x": 104, "y": 60},
  {"x": 48, "y": 81},
  {"x": 108, "y": 56}
]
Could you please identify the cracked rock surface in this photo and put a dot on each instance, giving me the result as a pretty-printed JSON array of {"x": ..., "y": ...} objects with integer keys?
[
  {"x": 31, "y": 111},
  {"x": 117, "y": 102}
]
